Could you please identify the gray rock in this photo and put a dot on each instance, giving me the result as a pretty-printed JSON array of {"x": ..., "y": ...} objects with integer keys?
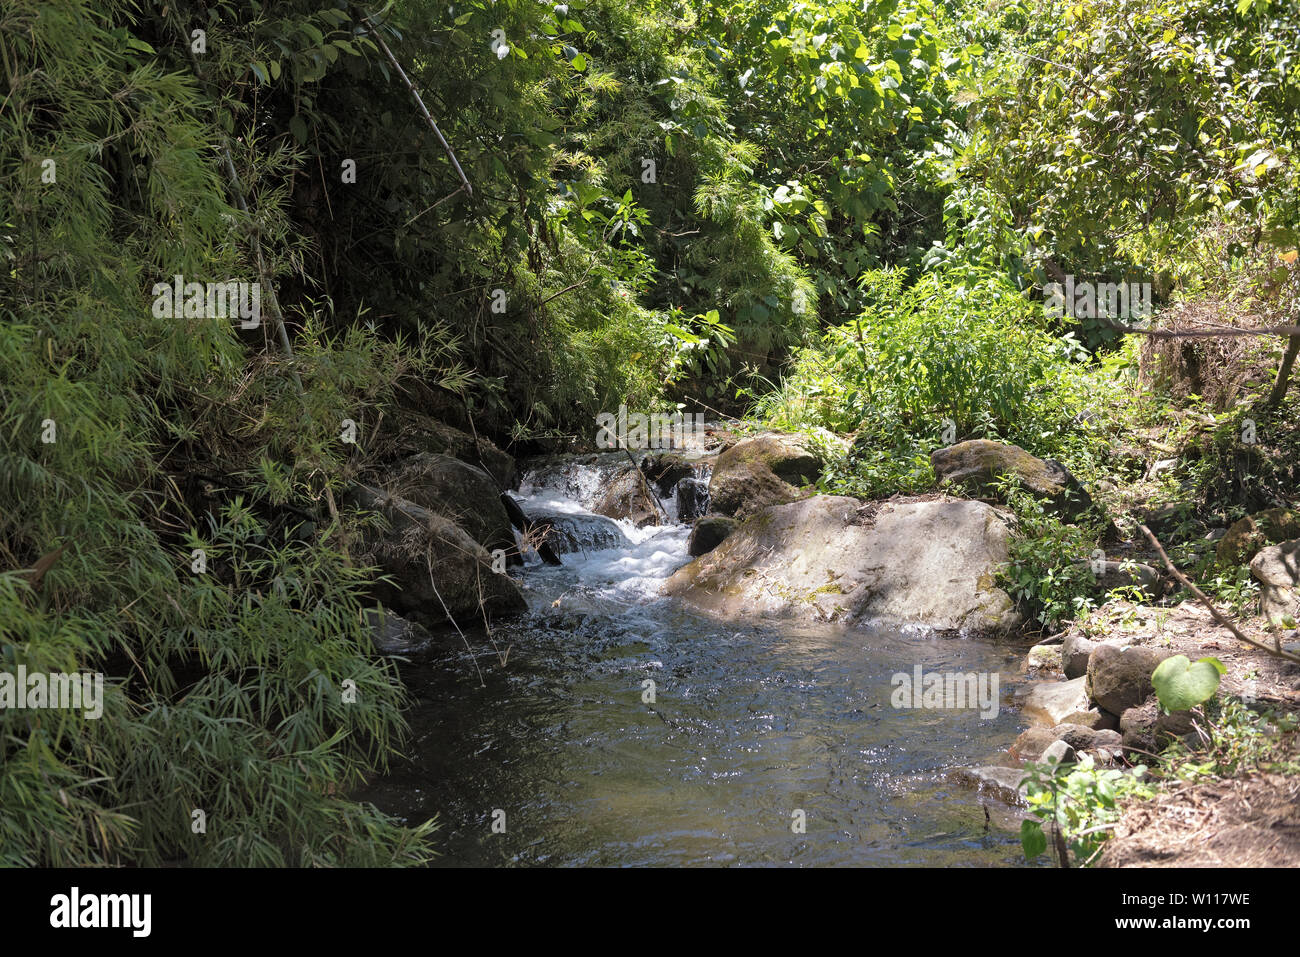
[
  {"x": 708, "y": 533},
  {"x": 1057, "y": 702},
  {"x": 1272, "y": 526},
  {"x": 761, "y": 471},
  {"x": 1075, "y": 651},
  {"x": 413, "y": 432},
  {"x": 1034, "y": 741},
  {"x": 1058, "y": 752},
  {"x": 1043, "y": 658},
  {"x": 998, "y": 782},
  {"x": 459, "y": 492},
  {"x": 1119, "y": 679},
  {"x": 835, "y": 559},
  {"x": 437, "y": 570},
  {"x": 1161, "y": 465},
  {"x": 981, "y": 462},
  {"x": 394, "y": 635},
  {"x": 567, "y": 533},
  {"x": 1277, "y": 569},
  {"x": 1112, "y": 574}
]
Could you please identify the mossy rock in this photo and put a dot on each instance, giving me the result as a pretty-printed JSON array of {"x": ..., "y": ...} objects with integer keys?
[
  {"x": 1246, "y": 537},
  {"x": 708, "y": 533},
  {"x": 413, "y": 433},
  {"x": 761, "y": 471},
  {"x": 981, "y": 462}
]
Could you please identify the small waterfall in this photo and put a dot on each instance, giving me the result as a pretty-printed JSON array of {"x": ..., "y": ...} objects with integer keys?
[{"x": 574, "y": 485}]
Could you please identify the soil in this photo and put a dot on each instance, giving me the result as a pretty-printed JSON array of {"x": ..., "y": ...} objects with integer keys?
[{"x": 1250, "y": 821}]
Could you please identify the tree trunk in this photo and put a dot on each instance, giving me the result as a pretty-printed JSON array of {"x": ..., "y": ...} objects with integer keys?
[{"x": 1284, "y": 371}]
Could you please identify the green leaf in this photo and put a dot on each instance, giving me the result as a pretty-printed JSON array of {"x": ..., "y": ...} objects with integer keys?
[
  {"x": 1032, "y": 839},
  {"x": 1181, "y": 685},
  {"x": 299, "y": 129}
]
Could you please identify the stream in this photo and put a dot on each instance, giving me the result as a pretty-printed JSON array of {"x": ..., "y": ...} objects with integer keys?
[{"x": 750, "y": 723}]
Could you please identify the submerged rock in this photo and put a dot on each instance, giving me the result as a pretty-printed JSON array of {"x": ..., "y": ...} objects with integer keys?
[
  {"x": 837, "y": 559},
  {"x": 582, "y": 479},
  {"x": 1005, "y": 784},
  {"x": 394, "y": 635},
  {"x": 568, "y": 533}
]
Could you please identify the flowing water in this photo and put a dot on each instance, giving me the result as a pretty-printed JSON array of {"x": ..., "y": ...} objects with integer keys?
[{"x": 750, "y": 724}]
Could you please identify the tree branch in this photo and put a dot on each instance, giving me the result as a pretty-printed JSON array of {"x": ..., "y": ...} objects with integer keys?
[{"x": 1276, "y": 651}]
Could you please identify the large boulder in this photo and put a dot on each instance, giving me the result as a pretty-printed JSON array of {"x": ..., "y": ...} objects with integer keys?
[
  {"x": 837, "y": 559},
  {"x": 415, "y": 433},
  {"x": 1246, "y": 537},
  {"x": 1120, "y": 678},
  {"x": 761, "y": 471},
  {"x": 458, "y": 491},
  {"x": 1277, "y": 569},
  {"x": 437, "y": 569},
  {"x": 981, "y": 461},
  {"x": 629, "y": 495}
]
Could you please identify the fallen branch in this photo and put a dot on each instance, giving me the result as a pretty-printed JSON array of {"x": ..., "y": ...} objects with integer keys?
[
  {"x": 1276, "y": 651},
  {"x": 645, "y": 485},
  {"x": 1216, "y": 332}
]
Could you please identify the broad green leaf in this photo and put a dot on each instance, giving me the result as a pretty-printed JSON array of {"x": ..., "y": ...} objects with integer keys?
[
  {"x": 1032, "y": 839},
  {"x": 1181, "y": 685}
]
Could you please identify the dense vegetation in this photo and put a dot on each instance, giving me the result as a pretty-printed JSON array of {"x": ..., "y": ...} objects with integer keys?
[{"x": 836, "y": 215}]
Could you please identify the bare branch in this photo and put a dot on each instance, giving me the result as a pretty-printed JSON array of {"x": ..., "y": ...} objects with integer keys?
[{"x": 1214, "y": 612}]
